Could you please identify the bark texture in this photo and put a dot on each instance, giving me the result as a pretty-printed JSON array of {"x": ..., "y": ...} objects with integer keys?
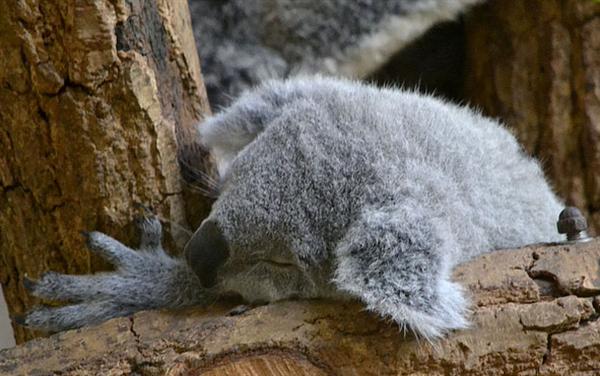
[
  {"x": 535, "y": 312},
  {"x": 91, "y": 94},
  {"x": 536, "y": 65}
]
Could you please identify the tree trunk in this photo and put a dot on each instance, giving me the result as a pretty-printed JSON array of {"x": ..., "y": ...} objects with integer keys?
[
  {"x": 536, "y": 65},
  {"x": 535, "y": 312},
  {"x": 91, "y": 94}
]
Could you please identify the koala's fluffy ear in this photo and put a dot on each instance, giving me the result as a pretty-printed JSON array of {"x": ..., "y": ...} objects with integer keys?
[
  {"x": 206, "y": 252},
  {"x": 396, "y": 261}
]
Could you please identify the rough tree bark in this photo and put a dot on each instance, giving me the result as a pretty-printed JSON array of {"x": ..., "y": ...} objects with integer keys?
[
  {"x": 91, "y": 93},
  {"x": 536, "y": 65},
  {"x": 535, "y": 312}
]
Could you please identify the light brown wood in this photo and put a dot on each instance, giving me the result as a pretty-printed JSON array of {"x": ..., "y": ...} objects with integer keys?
[
  {"x": 535, "y": 312},
  {"x": 92, "y": 93}
]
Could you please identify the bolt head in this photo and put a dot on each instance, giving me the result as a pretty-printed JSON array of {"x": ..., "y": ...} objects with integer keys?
[{"x": 571, "y": 221}]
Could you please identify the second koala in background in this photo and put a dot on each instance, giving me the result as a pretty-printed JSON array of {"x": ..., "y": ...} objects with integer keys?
[{"x": 244, "y": 42}]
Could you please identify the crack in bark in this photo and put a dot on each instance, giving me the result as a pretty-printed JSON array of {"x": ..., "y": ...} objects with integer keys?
[
  {"x": 136, "y": 336},
  {"x": 548, "y": 352},
  {"x": 557, "y": 290},
  {"x": 166, "y": 195}
]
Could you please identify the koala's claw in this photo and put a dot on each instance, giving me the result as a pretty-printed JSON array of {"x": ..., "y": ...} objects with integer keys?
[
  {"x": 150, "y": 231},
  {"x": 19, "y": 319},
  {"x": 29, "y": 284},
  {"x": 239, "y": 310},
  {"x": 148, "y": 210}
]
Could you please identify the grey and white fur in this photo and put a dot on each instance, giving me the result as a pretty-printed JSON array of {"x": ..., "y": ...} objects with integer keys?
[
  {"x": 244, "y": 42},
  {"x": 332, "y": 189}
]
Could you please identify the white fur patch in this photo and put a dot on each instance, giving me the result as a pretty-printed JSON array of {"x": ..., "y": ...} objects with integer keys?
[{"x": 374, "y": 50}]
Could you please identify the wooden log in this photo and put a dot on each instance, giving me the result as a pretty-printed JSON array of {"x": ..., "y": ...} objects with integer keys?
[{"x": 535, "y": 311}]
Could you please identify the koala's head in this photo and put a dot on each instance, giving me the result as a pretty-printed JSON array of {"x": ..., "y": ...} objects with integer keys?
[
  {"x": 258, "y": 240},
  {"x": 275, "y": 213}
]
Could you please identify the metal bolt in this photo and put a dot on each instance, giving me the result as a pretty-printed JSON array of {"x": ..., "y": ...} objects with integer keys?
[{"x": 573, "y": 223}]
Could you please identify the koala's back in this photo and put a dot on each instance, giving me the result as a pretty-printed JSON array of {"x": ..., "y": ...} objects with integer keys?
[{"x": 463, "y": 168}]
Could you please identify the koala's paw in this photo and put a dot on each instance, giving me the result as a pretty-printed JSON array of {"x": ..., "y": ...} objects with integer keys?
[
  {"x": 395, "y": 260},
  {"x": 431, "y": 318},
  {"x": 144, "y": 279},
  {"x": 448, "y": 311}
]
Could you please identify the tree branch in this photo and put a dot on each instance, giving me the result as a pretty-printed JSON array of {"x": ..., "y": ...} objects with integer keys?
[{"x": 535, "y": 311}]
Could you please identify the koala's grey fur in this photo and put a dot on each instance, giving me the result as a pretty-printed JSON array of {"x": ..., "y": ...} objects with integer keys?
[
  {"x": 244, "y": 42},
  {"x": 332, "y": 188}
]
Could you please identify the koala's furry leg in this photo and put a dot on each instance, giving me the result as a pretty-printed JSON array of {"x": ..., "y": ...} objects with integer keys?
[
  {"x": 397, "y": 260},
  {"x": 144, "y": 279}
]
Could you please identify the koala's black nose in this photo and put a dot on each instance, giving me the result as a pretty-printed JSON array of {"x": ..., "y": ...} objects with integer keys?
[{"x": 206, "y": 251}]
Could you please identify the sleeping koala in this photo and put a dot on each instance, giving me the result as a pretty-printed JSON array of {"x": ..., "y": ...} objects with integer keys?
[{"x": 331, "y": 189}]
